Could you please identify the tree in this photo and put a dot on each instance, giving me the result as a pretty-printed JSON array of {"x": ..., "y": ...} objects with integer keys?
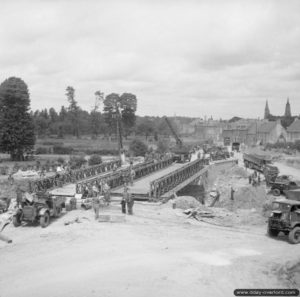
[
  {"x": 95, "y": 116},
  {"x": 16, "y": 125},
  {"x": 120, "y": 112},
  {"x": 138, "y": 148},
  {"x": 73, "y": 109}
]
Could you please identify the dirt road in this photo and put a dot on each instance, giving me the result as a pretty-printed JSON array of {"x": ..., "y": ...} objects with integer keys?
[{"x": 156, "y": 252}]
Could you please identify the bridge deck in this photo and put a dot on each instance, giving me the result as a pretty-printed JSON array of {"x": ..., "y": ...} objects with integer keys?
[{"x": 142, "y": 185}]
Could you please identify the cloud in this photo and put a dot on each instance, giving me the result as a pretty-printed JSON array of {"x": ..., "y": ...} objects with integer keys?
[{"x": 184, "y": 57}]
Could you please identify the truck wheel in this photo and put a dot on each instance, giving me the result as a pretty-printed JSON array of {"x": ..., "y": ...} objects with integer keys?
[
  {"x": 276, "y": 192},
  {"x": 272, "y": 232},
  {"x": 17, "y": 220},
  {"x": 294, "y": 235},
  {"x": 45, "y": 220}
]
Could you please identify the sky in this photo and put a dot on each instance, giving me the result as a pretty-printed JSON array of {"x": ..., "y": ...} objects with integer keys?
[{"x": 179, "y": 57}]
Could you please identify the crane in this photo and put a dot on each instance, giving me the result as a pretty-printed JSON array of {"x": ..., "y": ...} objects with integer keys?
[{"x": 178, "y": 140}]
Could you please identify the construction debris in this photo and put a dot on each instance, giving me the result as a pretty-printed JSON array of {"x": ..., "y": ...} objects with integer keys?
[{"x": 76, "y": 220}]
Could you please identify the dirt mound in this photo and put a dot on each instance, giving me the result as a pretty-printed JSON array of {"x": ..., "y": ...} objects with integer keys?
[
  {"x": 185, "y": 202},
  {"x": 237, "y": 172},
  {"x": 246, "y": 197}
]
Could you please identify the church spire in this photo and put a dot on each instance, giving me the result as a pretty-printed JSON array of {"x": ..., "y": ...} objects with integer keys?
[
  {"x": 267, "y": 110},
  {"x": 287, "y": 112}
]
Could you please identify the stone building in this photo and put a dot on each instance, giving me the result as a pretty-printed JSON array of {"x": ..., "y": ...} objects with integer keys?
[
  {"x": 208, "y": 129},
  {"x": 271, "y": 132},
  {"x": 293, "y": 131}
]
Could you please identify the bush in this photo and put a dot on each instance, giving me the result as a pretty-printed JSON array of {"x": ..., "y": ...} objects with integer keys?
[
  {"x": 62, "y": 150},
  {"x": 95, "y": 160},
  {"x": 138, "y": 148},
  {"x": 111, "y": 152},
  {"x": 60, "y": 160},
  {"x": 42, "y": 150},
  {"x": 162, "y": 147},
  {"x": 77, "y": 161}
]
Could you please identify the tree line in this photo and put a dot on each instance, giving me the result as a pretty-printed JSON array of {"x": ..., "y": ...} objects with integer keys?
[{"x": 19, "y": 127}]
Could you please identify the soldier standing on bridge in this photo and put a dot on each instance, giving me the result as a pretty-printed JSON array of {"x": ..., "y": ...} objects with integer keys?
[
  {"x": 132, "y": 176},
  {"x": 106, "y": 191}
]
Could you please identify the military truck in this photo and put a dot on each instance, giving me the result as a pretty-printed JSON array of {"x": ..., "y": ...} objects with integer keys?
[
  {"x": 282, "y": 184},
  {"x": 262, "y": 164},
  {"x": 285, "y": 218},
  {"x": 38, "y": 208}
]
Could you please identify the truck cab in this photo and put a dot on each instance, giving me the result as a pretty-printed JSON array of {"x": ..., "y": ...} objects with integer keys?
[
  {"x": 283, "y": 184},
  {"x": 285, "y": 218}
]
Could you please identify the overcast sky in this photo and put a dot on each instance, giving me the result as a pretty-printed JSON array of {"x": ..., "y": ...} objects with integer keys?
[{"x": 192, "y": 58}]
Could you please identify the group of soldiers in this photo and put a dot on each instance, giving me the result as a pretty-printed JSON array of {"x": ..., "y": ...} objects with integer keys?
[
  {"x": 254, "y": 179},
  {"x": 127, "y": 201}
]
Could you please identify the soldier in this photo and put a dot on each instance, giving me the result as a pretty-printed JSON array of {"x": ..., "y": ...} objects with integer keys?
[
  {"x": 124, "y": 199},
  {"x": 250, "y": 179},
  {"x": 96, "y": 206},
  {"x": 132, "y": 176},
  {"x": 129, "y": 202},
  {"x": 10, "y": 179},
  {"x": 19, "y": 193},
  {"x": 232, "y": 193},
  {"x": 115, "y": 167},
  {"x": 106, "y": 190}
]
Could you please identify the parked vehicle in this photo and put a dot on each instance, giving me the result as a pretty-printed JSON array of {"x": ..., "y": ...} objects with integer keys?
[
  {"x": 285, "y": 218},
  {"x": 40, "y": 208},
  {"x": 262, "y": 164},
  {"x": 283, "y": 184},
  {"x": 235, "y": 146}
]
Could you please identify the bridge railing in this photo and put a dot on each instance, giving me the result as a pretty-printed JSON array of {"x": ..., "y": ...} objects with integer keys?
[
  {"x": 117, "y": 179},
  {"x": 47, "y": 183},
  {"x": 166, "y": 183}
]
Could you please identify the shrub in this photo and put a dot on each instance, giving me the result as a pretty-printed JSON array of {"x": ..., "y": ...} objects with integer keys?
[
  {"x": 95, "y": 160},
  {"x": 42, "y": 150},
  {"x": 138, "y": 148},
  {"x": 60, "y": 160},
  {"x": 112, "y": 152},
  {"x": 62, "y": 150},
  {"x": 77, "y": 161},
  {"x": 162, "y": 147}
]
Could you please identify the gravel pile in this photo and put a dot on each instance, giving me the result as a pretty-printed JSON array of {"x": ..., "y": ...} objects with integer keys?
[{"x": 185, "y": 202}]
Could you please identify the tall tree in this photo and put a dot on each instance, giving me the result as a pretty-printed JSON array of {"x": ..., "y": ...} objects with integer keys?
[
  {"x": 73, "y": 109},
  {"x": 120, "y": 112},
  {"x": 95, "y": 115},
  {"x": 16, "y": 125}
]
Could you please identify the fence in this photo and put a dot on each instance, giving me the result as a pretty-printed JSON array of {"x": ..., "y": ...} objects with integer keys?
[
  {"x": 72, "y": 176},
  {"x": 166, "y": 183},
  {"x": 117, "y": 179}
]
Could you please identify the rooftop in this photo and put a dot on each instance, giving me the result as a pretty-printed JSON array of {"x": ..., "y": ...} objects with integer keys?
[{"x": 294, "y": 127}]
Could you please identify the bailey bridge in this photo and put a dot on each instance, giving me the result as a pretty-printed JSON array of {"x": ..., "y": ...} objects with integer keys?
[{"x": 153, "y": 180}]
